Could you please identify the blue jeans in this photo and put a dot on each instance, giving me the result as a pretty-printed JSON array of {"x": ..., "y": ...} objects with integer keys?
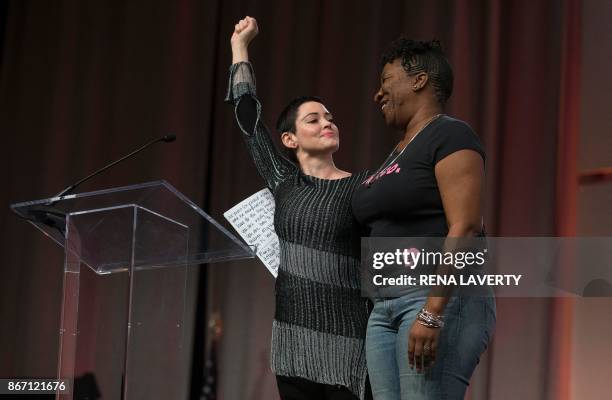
[{"x": 469, "y": 324}]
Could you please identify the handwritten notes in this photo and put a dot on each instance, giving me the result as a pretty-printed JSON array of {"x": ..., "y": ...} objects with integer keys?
[{"x": 253, "y": 219}]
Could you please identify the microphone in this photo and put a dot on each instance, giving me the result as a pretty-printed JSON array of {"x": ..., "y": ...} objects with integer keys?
[
  {"x": 54, "y": 217},
  {"x": 166, "y": 139}
]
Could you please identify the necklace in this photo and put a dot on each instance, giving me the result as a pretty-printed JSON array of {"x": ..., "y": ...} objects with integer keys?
[{"x": 385, "y": 164}]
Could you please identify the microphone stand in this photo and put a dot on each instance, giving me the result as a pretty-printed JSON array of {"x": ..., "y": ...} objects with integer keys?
[{"x": 56, "y": 218}]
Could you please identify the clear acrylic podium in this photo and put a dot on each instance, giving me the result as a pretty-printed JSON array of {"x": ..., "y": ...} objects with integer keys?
[{"x": 128, "y": 255}]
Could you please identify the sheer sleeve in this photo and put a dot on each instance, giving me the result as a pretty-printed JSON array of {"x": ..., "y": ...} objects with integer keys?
[{"x": 241, "y": 92}]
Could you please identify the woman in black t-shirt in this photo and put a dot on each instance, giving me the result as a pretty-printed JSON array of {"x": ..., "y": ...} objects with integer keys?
[{"x": 430, "y": 186}]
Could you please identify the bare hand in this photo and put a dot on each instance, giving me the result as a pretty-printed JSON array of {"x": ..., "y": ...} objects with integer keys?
[
  {"x": 244, "y": 31},
  {"x": 422, "y": 346}
]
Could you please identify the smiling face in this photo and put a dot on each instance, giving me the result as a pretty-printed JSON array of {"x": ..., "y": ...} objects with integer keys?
[
  {"x": 315, "y": 131},
  {"x": 397, "y": 95}
]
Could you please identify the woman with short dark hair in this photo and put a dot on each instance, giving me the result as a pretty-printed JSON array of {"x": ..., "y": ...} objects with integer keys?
[
  {"x": 320, "y": 320},
  {"x": 435, "y": 190}
]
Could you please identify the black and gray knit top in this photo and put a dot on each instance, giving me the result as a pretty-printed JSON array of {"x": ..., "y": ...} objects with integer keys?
[{"x": 320, "y": 320}]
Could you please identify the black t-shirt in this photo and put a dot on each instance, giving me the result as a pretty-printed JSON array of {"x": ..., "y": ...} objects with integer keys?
[{"x": 403, "y": 199}]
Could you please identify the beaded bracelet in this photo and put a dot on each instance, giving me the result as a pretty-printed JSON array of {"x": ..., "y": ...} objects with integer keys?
[{"x": 429, "y": 319}]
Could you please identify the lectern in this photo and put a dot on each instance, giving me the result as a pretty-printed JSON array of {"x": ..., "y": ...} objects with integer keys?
[{"x": 128, "y": 256}]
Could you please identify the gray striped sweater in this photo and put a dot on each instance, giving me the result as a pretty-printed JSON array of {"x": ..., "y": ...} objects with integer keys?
[{"x": 320, "y": 320}]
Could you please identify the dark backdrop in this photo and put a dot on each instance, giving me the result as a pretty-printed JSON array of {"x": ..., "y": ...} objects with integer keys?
[{"x": 82, "y": 82}]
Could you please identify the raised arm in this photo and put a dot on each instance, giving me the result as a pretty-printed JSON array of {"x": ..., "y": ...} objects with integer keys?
[
  {"x": 272, "y": 166},
  {"x": 244, "y": 32}
]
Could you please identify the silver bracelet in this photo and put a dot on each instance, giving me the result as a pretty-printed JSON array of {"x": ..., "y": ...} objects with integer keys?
[{"x": 429, "y": 319}]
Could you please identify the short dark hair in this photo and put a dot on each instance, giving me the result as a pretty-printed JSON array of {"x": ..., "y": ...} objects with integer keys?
[
  {"x": 287, "y": 117},
  {"x": 418, "y": 56}
]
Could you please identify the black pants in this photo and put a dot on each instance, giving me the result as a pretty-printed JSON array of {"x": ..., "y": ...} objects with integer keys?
[{"x": 291, "y": 388}]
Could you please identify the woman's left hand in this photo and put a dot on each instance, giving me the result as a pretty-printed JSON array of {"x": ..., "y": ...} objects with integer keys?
[{"x": 422, "y": 346}]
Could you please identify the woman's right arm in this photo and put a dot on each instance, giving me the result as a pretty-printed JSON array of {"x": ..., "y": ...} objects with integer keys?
[{"x": 272, "y": 166}]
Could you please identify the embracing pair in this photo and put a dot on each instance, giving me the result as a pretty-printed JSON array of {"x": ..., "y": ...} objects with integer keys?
[{"x": 326, "y": 338}]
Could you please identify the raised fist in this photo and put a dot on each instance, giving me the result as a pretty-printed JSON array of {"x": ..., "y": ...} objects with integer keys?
[{"x": 244, "y": 31}]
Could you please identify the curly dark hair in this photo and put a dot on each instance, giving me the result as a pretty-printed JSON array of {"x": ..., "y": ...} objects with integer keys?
[
  {"x": 417, "y": 56},
  {"x": 286, "y": 121}
]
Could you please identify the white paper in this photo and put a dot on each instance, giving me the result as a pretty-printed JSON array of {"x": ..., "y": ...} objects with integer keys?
[{"x": 253, "y": 219}]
